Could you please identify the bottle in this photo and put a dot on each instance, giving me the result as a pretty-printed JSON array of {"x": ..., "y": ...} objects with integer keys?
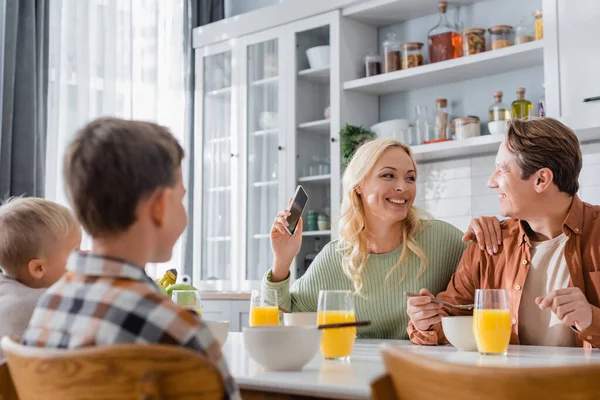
[
  {"x": 422, "y": 124},
  {"x": 542, "y": 103},
  {"x": 441, "y": 119},
  {"x": 458, "y": 26},
  {"x": 521, "y": 108},
  {"x": 309, "y": 257},
  {"x": 391, "y": 54},
  {"x": 443, "y": 38},
  {"x": 523, "y": 32},
  {"x": 498, "y": 110}
]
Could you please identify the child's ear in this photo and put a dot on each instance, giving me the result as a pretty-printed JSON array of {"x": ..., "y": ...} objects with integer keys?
[
  {"x": 158, "y": 206},
  {"x": 36, "y": 268}
]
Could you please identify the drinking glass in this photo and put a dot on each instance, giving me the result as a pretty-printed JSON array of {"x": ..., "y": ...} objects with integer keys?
[
  {"x": 263, "y": 308},
  {"x": 491, "y": 321},
  {"x": 189, "y": 299},
  {"x": 335, "y": 307}
]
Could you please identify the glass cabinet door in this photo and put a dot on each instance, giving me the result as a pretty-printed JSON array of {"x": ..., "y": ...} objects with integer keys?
[
  {"x": 262, "y": 154},
  {"x": 216, "y": 172}
]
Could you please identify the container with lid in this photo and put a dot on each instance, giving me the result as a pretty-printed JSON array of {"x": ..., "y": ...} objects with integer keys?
[
  {"x": 443, "y": 38},
  {"x": 391, "y": 53},
  {"x": 500, "y": 36},
  {"x": 372, "y": 64},
  {"x": 473, "y": 41},
  {"x": 411, "y": 55},
  {"x": 441, "y": 119},
  {"x": 498, "y": 110},
  {"x": 523, "y": 32},
  {"x": 538, "y": 25},
  {"x": 467, "y": 127}
]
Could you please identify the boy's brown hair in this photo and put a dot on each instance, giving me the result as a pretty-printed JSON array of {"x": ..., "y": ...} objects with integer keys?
[
  {"x": 30, "y": 228},
  {"x": 113, "y": 164},
  {"x": 546, "y": 143}
]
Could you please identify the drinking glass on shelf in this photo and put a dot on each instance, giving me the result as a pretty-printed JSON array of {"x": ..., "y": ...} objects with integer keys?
[
  {"x": 189, "y": 299},
  {"x": 491, "y": 321},
  {"x": 263, "y": 308},
  {"x": 335, "y": 307}
]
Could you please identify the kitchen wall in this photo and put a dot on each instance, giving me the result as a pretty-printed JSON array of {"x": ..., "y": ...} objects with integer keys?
[
  {"x": 456, "y": 191},
  {"x": 237, "y": 7}
]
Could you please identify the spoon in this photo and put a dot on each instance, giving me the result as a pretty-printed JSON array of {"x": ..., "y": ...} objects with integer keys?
[{"x": 438, "y": 301}]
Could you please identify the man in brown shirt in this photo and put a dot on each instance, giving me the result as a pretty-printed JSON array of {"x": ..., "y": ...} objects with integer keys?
[{"x": 549, "y": 260}]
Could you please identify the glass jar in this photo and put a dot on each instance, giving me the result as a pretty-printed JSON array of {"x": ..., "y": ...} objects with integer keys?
[
  {"x": 441, "y": 119},
  {"x": 473, "y": 41},
  {"x": 523, "y": 32},
  {"x": 500, "y": 36},
  {"x": 391, "y": 53},
  {"x": 538, "y": 25},
  {"x": 443, "y": 38},
  {"x": 422, "y": 124},
  {"x": 498, "y": 110},
  {"x": 458, "y": 28},
  {"x": 411, "y": 55},
  {"x": 467, "y": 127},
  {"x": 372, "y": 64}
]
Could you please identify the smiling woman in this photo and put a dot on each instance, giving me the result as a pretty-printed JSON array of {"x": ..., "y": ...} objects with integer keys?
[{"x": 386, "y": 247}]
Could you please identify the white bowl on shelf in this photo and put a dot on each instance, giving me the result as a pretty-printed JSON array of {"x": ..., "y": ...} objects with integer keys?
[
  {"x": 282, "y": 348},
  {"x": 393, "y": 129},
  {"x": 497, "y": 127},
  {"x": 300, "y": 319},
  {"x": 318, "y": 57},
  {"x": 219, "y": 329},
  {"x": 459, "y": 332}
]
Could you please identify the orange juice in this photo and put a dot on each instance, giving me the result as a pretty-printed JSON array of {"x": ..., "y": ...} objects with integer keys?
[
  {"x": 264, "y": 316},
  {"x": 337, "y": 343},
  {"x": 492, "y": 329}
]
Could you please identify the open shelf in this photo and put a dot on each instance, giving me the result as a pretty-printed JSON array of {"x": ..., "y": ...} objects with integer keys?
[
  {"x": 316, "y": 233},
  {"x": 318, "y": 75},
  {"x": 321, "y": 127},
  {"x": 379, "y": 13},
  {"x": 315, "y": 179},
  {"x": 457, "y": 148},
  {"x": 460, "y": 69}
]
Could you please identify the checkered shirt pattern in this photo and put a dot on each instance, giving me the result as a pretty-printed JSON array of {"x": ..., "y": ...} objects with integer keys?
[{"x": 103, "y": 301}]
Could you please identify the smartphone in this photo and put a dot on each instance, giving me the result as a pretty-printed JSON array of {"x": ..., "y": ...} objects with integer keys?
[{"x": 296, "y": 209}]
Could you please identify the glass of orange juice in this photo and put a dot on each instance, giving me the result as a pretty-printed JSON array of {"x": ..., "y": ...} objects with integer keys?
[
  {"x": 491, "y": 321},
  {"x": 335, "y": 307},
  {"x": 263, "y": 308},
  {"x": 189, "y": 299}
]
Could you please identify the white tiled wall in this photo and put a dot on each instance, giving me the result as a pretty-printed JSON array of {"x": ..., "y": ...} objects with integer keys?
[{"x": 456, "y": 191}]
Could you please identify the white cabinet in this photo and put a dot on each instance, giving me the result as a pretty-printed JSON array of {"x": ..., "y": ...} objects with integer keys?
[
  {"x": 237, "y": 312},
  {"x": 261, "y": 130},
  {"x": 578, "y": 52}
]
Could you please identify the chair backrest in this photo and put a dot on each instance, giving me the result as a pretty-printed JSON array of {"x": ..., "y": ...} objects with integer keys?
[
  {"x": 7, "y": 389},
  {"x": 419, "y": 377},
  {"x": 120, "y": 372}
]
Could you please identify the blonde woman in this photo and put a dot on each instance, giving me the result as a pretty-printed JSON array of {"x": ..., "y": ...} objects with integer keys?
[{"x": 386, "y": 246}]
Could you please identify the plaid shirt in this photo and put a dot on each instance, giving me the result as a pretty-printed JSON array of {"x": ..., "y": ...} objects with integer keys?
[{"x": 102, "y": 301}]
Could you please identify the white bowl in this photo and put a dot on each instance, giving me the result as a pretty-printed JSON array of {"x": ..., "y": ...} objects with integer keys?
[
  {"x": 282, "y": 348},
  {"x": 393, "y": 129},
  {"x": 219, "y": 329},
  {"x": 497, "y": 127},
  {"x": 300, "y": 318},
  {"x": 459, "y": 332},
  {"x": 318, "y": 57},
  {"x": 268, "y": 120}
]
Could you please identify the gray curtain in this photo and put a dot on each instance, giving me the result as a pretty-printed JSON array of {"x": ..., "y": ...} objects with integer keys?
[
  {"x": 24, "y": 97},
  {"x": 197, "y": 13}
]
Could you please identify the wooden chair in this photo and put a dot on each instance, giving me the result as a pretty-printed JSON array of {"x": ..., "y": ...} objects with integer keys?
[
  {"x": 7, "y": 388},
  {"x": 418, "y": 377},
  {"x": 120, "y": 372}
]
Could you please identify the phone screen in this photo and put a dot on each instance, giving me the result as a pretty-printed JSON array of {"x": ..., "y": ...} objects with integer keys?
[{"x": 296, "y": 209}]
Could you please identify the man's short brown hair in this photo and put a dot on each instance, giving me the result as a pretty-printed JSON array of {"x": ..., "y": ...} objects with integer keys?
[
  {"x": 546, "y": 143},
  {"x": 31, "y": 228},
  {"x": 113, "y": 164}
]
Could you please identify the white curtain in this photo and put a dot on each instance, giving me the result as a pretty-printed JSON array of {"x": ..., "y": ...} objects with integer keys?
[{"x": 121, "y": 58}]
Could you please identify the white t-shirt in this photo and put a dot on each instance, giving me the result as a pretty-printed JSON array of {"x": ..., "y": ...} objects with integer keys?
[{"x": 548, "y": 271}]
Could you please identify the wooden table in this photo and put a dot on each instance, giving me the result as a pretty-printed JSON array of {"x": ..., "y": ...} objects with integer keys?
[{"x": 336, "y": 380}]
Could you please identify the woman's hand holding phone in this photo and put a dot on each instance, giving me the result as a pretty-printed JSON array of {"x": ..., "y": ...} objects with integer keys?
[{"x": 285, "y": 246}]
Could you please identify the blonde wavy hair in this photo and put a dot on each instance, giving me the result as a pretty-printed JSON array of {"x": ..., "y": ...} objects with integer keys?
[{"x": 352, "y": 225}]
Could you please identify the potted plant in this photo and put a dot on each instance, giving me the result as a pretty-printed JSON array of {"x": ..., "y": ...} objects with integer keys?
[{"x": 352, "y": 137}]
